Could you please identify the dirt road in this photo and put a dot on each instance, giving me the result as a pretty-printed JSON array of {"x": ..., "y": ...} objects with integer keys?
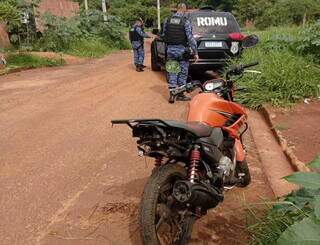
[{"x": 67, "y": 177}]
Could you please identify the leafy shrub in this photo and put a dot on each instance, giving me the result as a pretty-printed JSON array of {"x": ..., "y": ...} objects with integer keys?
[
  {"x": 59, "y": 32},
  {"x": 296, "y": 218},
  {"x": 309, "y": 42},
  {"x": 266, "y": 13},
  {"x": 62, "y": 34},
  {"x": 11, "y": 12},
  {"x": 129, "y": 11}
]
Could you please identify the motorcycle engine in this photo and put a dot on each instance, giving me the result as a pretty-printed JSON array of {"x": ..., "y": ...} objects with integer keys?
[{"x": 226, "y": 165}]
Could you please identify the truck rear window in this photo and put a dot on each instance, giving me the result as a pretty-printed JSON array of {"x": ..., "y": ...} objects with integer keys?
[{"x": 207, "y": 22}]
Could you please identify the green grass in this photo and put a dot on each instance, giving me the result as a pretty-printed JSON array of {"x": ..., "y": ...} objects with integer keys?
[
  {"x": 266, "y": 228},
  {"x": 293, "y": 219},
  {"x": 286, "y": 78},
  {"x": 89, "y": 48},
  {"x": 21, "y": 60}
]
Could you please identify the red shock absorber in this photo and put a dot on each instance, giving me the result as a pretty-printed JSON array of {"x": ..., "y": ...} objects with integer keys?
[
  {"x": 194, "y": 163},
  {"x": 158, "y": 161}
]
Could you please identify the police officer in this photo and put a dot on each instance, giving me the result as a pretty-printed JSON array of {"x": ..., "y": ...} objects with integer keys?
[
  {"x": 178, "y": 36},
  {"x": 137, "y": 36}
]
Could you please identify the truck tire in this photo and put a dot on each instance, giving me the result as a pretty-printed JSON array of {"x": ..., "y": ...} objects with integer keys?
[{"x": 154, "y": 58}]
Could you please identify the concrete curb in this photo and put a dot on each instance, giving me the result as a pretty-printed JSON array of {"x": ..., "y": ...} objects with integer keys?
[{"x": 296, "y": 164}]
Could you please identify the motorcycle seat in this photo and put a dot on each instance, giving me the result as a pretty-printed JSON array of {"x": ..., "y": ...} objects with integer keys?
[{"x": 197, "y": 128}]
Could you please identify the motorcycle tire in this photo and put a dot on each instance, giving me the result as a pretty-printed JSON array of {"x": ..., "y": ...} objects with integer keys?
[
  {"x": 161, "y": 177},
  {"x": 244, "y": 168}
]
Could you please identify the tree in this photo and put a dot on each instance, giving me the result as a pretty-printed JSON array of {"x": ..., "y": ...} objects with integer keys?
[{"x": 11, "y": 12}]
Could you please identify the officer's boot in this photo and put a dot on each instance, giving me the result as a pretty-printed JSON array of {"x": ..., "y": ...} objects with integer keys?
[
  {"x": 171, "y": 97},
  {"x": 138, "y": 68},
  {"x": 183, "y": 97},
  {"x": 141, "y": 67}
]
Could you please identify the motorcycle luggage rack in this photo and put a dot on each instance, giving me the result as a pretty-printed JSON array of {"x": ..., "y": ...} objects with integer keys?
[{"x": 131, "y": 122}]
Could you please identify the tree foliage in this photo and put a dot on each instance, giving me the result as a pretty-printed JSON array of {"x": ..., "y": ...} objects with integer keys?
[
  {"x": 11, "y": 13},
  {"x": 61, "y": 32},
  {"x": 265, "y": 13}
]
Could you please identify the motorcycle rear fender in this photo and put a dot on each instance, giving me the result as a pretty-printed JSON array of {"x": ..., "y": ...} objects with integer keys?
[{"x": 239, "y": 150}]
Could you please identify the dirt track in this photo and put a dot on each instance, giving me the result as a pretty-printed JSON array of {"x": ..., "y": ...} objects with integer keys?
[{"x": 67, "y": 177}]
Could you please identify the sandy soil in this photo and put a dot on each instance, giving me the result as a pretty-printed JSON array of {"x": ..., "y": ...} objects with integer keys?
[
  {"x": 67, "y": 177},
  {"x": 300, "y": 126}
]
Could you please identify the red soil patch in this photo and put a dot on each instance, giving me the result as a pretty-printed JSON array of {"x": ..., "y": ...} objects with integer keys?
[
  {"x": 69, "y": 59},
  {"x": 300, "y": 126}
]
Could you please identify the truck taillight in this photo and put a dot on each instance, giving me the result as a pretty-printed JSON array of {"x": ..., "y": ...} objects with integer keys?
[{"x": 236, "y": 36}]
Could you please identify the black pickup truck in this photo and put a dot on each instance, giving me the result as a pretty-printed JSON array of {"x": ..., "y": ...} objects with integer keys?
[{"x": 218, "y": 37}]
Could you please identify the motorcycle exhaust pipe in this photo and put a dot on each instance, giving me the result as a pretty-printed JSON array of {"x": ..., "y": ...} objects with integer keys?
[{"x": 196, "y": 195}]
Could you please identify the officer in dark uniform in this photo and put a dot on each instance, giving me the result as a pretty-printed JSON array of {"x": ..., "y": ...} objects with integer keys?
[
  {"x": 178, "y": 36},
  {"x": 137, "y": 36}
]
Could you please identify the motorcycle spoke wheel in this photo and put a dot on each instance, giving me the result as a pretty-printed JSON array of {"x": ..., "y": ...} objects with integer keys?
[
  {"x": 166, "y": 227},
  {"x": 161, "y": 219}
]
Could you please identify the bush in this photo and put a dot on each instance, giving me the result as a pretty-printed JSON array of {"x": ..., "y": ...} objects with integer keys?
[
  {"x": 11, "y": 12},
  {"x": 309, "y": 43},
  {"x": 295, "y": 219},
  {"x": 129, "y": 11},
  {"x": 59, "y": 32},
  {"x": 266, "y": 13},
  {"x": 74, "y": 34}
]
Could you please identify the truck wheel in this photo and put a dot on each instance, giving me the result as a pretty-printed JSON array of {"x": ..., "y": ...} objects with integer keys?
[{"x": 154, "y": 59}]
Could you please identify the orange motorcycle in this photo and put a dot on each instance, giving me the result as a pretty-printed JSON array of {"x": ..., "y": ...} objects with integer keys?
[{"x": 195, "y": 161}]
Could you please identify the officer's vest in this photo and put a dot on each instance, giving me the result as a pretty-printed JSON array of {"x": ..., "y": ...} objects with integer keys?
[
  {"x": 134, "y": 35},
  {"x": 175, "y": 33}
]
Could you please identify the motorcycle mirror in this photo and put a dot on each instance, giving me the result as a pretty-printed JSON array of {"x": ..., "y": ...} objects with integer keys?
[{"x": 250, "y": 41}]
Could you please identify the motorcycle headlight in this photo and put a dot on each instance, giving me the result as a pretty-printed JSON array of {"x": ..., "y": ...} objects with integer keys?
[{"x": 213, "y": 85}]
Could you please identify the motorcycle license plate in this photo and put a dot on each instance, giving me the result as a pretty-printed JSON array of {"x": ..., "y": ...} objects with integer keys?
[{"x": 213, "y": 44}]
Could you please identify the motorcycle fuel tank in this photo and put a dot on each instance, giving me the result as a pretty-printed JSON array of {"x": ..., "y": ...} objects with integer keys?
[{"x": 212, "y": 110}]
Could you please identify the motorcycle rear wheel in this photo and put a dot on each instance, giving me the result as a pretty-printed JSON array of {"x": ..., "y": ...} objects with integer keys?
[{"x": 158, "y": 210}]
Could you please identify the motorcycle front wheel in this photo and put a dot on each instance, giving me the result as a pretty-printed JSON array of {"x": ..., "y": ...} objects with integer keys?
[{"x": 162, "y": 222}]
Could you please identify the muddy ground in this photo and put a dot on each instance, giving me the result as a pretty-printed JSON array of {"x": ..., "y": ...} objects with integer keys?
[{"x": 67, "y": 177}]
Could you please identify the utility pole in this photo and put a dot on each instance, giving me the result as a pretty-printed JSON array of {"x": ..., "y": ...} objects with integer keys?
[
  {"x": 86, "y": 6},
  {"x": 159, "y": 16},
  {"x": 104, "y": 10}
]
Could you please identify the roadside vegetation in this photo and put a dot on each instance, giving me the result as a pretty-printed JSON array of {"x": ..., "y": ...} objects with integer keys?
[
  {"x": 290, "y": 65},
  {"x": 25, "y": 60},
  {"x": 84, "y": 35},
  {"x": 294, "y": 219}
]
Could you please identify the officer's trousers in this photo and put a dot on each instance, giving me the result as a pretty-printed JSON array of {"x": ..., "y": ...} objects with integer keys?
[
  {"x": 138, "y": 53},
  {"x": 176, "y": 52}
]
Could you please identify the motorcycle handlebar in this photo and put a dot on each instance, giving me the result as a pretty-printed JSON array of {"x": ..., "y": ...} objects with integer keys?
[{"x": 189, "y": 88}]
